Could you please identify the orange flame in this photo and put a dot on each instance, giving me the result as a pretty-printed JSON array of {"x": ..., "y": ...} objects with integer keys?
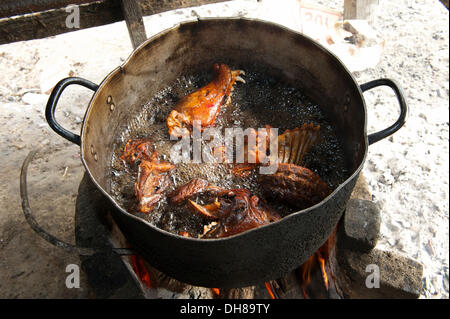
[
  {"x": 321, "y": 257},
  {"x": 269, "y": 290},
  {"x": 305, "y": 271},
  {"x": 215, "y": 291},
  {"x": 139, "y": 268},
  {"x": 321, "y": 261}
]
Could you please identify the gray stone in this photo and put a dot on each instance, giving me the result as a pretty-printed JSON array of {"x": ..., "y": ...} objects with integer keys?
[
  {"x": 360, "y": 228},
  {"x": 34, "y": 98},
  {"x": 361, "y": 190},
  {"x": 399, "y": 277}
]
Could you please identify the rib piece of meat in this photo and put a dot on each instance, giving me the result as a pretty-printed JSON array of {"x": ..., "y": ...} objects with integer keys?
[
  {"x": 293, "y": 184},
  {"x": 203, "y": 104},
  {"x": 292, "y": 147},
  {"x": 294, "y": 144}
]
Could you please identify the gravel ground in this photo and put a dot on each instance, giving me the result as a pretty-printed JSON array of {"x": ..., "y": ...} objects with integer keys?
[{"x": 407, "y": 173}]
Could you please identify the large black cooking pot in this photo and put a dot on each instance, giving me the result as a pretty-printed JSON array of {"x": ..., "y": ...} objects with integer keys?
[{"x": 260, "y": 254}]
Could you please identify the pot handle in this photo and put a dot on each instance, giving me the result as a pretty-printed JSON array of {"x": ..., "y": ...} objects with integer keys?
[
  {"x": 404, "y": 109},
  {"x": 86, "y": 251},
  {"x": 53, "y": 100}
]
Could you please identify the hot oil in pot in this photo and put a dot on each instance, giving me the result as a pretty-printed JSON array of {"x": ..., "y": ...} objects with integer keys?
[{"x": 260, "y": 101}]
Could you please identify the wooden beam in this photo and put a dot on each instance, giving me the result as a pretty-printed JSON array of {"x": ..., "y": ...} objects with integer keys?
[
  {"x": 10, "y": 8},
  {"x": 135, "y": 24},
  {"x": 52, "y": 22},
  {"x": 150, "y": 7}
]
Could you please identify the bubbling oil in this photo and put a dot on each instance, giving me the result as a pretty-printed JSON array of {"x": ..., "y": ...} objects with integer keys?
[{"x": 262, "y": 100}]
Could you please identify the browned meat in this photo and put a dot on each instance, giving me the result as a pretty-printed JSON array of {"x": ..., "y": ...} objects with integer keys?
[
  {"x": 253, "y": 155},
  {"x": 152, "y": 180},
  {"x": 232, "y": 211},
  {"x": 195, "y": 186},
  {"x": 204, "y": 104},
  {"x": 138, "y": 150},
  {"x": 295, "y": 185},
  {"x": 292, "y": 147},
  {"x": 151, "y": 183},
  {"x": 238, "y": 212},
  {"x": 294, "y": 144}
]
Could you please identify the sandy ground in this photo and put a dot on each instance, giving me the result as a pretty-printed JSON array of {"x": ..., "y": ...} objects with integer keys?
[{"x": 407, "y": 173}]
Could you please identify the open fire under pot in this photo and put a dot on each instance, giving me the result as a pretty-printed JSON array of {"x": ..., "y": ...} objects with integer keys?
[
  {"x": 348, "y": 265},
  {"x": 315, "y": 252}
]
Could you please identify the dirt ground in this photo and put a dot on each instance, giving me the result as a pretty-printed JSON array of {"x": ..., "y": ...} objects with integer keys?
[
  {"x": 416, "y": 54},
  {"x": 31, "y": 267}
]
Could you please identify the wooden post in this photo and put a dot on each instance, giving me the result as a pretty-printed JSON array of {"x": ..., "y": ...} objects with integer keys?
[
  {"x": 133, "y": 16},
  {"x": 359, "y": 9}
]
